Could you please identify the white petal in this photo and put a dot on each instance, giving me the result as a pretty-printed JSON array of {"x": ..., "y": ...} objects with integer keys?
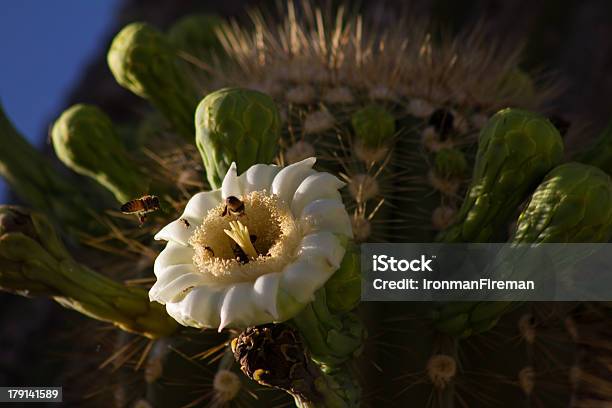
[
  {"x": 315, "y": 187},
  {"x": 323, "y": 244},
  {"x": 177, "y": 231},
  {"x": 302, "y": 278},
  {"x": 196, "y": 209},
  {"x": 265, "y": 293},
  {"x": 199, "y": 308},
  {"x": 289, "y": 178},
  {"x": 258, "y": 177},
  {"x": 172, "y": 254},
  {"x": 169, "y": 273},
  {"x": 239, "y": 308},
  {"x": 326, "y": 215},
  {"x": 231, "y": 185},
  {"x": 167, "y": 290},
  {"x": 198, "y": 206}
]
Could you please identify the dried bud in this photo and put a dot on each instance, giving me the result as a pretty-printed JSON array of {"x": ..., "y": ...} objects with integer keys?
[{"x": 274, "y": 355}]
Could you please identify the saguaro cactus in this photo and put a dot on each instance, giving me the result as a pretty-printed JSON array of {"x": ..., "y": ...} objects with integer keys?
[{"x": 315, "y": 134}]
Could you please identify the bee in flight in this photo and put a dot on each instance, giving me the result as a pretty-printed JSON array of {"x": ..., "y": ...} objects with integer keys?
[{"x": 141, "y": 207}]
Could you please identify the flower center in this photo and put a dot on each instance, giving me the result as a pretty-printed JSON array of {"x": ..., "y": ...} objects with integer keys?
[{"x": 245, "y": 237}]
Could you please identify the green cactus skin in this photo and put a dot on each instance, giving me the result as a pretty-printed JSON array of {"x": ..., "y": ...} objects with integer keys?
[
  {"x": 572, "y": 205},
  {"x": 33, "y": 261},
  {"x": 343, "y": 289},
  {"x": 450, "y": 163},
  {"x": 373, "y": 125},
  {"x": 196, "y": 34},
  {"x": 143, "y": 61},
  {"x": 85, "y": 141},
  {"x": 516, "y": 149},
  {"x": 333, "y": 340},
  {"x": 236, "y": 125},
  {"x": 37, "y": 182}
]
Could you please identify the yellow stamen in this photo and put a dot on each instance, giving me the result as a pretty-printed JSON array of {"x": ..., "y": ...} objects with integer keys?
[{"x": 240, "y": 234}]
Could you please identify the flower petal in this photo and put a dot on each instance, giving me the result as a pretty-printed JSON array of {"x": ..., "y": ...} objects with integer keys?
[
  {"x": 326, "y": 215},
  {"x": 198, "y": 206},
  {"x": 289, "y": 178},
  {"x": 265, "y": 293},
  {"x": 258, "y": 177},
  {"x": 314, "y": 187},
  {"x": 199, "y": 308},
  {"x": 231, "y": 185},
  {"x": 323, "y": 244},
  {"x": 172, "y": 254},
  {"x": 302, "y": 278},
  {"x": 177, "y": 231},
  {"x": 173, "y": 286},
  {"x": 239, "y": 308}
]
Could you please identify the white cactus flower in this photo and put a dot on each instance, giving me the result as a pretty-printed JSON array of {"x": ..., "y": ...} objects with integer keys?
[{"x": 253, "y": 251}]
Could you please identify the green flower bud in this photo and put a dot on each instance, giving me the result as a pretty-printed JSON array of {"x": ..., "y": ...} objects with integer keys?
[
  {"x": 573, "y": 204},
  {"x": 343, "y": 289},
  {"x": 143, "y": 61},
  {"x": 84, "y": 140},
  {"x": 373, "y": 125},
  {"x": 196, "y": 34},
  {"x": 33, "y": 261},
  {"x": 236, "y": 125},
  {"x": 516, "y": 149},
  {"x": 450, "y": 163}
]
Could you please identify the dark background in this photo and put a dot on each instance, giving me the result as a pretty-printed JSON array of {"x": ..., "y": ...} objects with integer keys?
[{"x": 571, "y": 37}]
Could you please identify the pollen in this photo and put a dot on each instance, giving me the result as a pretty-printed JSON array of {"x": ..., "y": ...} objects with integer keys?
[{"x": 265, "y": 234}]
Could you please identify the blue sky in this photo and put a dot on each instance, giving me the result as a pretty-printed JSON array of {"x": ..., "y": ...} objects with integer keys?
[{"x": 44, "y": 45}]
